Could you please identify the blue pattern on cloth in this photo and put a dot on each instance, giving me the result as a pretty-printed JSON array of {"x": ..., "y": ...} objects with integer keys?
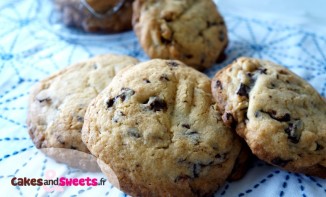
[{"x": 34, "y": 44}]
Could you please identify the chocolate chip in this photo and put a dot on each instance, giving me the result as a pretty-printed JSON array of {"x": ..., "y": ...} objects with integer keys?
[
  {"x": 189, "y": 56},
  {"x": 283, "y": 72},
  {"x": 257, "y": 114},
  {"x": 165, "y": 41},
  {"x": 191, "y": 132},
  {"x": 147, "y": 81},
  {"x": 133, "y": 132},
  {"x": 172, "y": 63},
  {"x": 187, "y": 126},
  {"x": 60, "y": 140},
  {"x": 280, "y": 162},
  {"x": 319, "y": 147},
  {"x": 110, "y": 102},
  {"x": 44, "y": 100},
  {"x": 80, "y": 119},
  {"x": 273, "y": 114},
  {"x": 156, "y": 104},
  {"x": 218, "y": 84},
  {"x": 263, "y": 71},
  {"x": 73, "y": 148},
  {"x": 196, "y": 168},
  {"x": 211, "y": 23},
  {"x": 243, "y": 90},
  {"x": 272, "y": 86},
  {"x": 164, "y": 77},
  {"x": 294, "y": 131},
  {"x": 220, "y": 158},
  {"x": 125, "y": 93},
  {"x": 221, "y": 35}
]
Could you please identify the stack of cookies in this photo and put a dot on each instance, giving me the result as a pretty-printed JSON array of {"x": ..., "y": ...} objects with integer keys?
[
  {"x": 162, "y": 128},
  {"x": 165, "y": 129}
]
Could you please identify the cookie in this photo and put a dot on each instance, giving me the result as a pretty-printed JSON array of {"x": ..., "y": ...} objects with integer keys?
[
  {"x": 58, "y": 103},
  {"x": 188, "y": 30},
  {"x": 109, "y": 16},
  {"x": 280, "y": 116},
  {"x": 157, "y": 132}
]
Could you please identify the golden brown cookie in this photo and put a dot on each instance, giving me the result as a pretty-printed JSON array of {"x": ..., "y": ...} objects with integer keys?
[
  {"x": 188, "y": 30},
  {"x": 281, "y": 117},
  {"x": 58, "y": 103},
  {"x": 156, "y": 132}
]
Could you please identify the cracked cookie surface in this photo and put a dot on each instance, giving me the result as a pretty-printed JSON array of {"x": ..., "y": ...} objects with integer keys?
[
  {"x": 191, "y": 31},
  {"x": 58, "y": 103},
  {"x": 156, "y": 127},
  {"x": 281, "y": 116}
]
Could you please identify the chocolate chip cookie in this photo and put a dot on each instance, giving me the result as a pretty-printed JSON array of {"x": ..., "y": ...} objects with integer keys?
[
  {"x": 188, "y": 30},
  {"x": 58, "y": 103},
  {"x": 281, "y": 116},
  {"x": 156, "y": 131},
  {"x": 108, "y": 16}
]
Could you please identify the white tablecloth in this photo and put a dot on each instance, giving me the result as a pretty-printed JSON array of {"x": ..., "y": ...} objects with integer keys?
[{"x": 34, "y": 44}]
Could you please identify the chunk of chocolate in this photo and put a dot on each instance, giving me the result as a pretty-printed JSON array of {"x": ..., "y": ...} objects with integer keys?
[
  {"x": 280, "y": 162},
  {"x": 221, "y": 36},
  {"x": 283, "y": 118},
  {"x": 220, "y": 158},
  {"x": 196, "y": 168},
  {"x": 211, "y": 23},
  {"x": 44, "y": 100},
  {"x": 134, "y": 132},
  {"x": 257, "y": 114},
  {"x": 61, "y": 140},
  {"x": 263, "y": 71},
  {"x": 155, "y": 104},
  {"x": 110, "y": 102},
  {"x": 125, "y": 93},
  {"x": 294, "y": 131},
  {"x": 147, "y": 81},
  {"x": 172, "y": 63},
  {"x": 319, "y": 147},
  {"x": 187, "y": 126},
  {"x": 80, "y": 119},
  {"x": 243, "y": 90},
  {"x": 218, "y": 84}
]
